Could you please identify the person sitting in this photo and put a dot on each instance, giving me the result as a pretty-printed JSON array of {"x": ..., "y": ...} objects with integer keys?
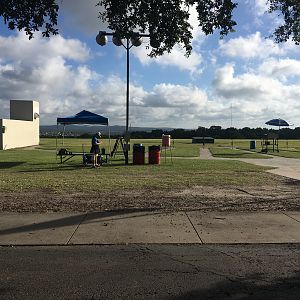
[{"x": 95, "y": 149}]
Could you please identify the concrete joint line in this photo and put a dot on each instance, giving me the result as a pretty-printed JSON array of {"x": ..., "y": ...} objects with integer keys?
[
  {"x": 67, "y": 243},
  {"x": 194, "y": 228},
  {"x": 291, "y": 217}
]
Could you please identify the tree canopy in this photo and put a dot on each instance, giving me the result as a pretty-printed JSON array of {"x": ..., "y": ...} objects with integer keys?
[
  {"x": 166, "y": 21},
  {"x": 30, "y": 16},
  {"x": 290, "y": 9}
]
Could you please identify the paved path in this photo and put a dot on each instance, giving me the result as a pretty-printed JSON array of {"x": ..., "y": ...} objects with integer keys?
[
  {"x": 193, "y": 227},
  {"x": 151, "y": 272},
  {"x": 205, "y": 154},
  {"x": 288, "y": 167}
]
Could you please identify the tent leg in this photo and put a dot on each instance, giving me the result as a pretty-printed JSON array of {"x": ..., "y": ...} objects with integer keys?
[
  {"x": 109, "y": 146},
  {"x": 63, "y": 141},
  {"x": 56, "y": 141}
]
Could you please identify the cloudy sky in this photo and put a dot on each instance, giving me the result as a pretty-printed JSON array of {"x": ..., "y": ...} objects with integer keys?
[{"x": 245, "y": 75}]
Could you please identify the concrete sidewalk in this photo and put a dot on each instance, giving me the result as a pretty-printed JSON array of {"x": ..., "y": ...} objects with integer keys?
[
  {"x": 143, "y": 227},
  {"x": 288, "y": 167}
]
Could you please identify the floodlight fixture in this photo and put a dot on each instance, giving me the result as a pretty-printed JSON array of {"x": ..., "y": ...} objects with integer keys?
[
  {"x": 135, "y": 39},
  {"x": 154, "y": 43},
  {"x": 129, "y": 40},
  {"x": 101, "y": 38},
  {"x": 117, "y": 41}
]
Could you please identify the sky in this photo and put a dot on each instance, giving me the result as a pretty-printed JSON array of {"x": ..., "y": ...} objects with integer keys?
[{"x": 242, "y": 80}]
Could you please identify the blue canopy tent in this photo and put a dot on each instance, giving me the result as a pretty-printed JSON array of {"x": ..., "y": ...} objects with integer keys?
[
  {"x": 274, "y": 137},
  {"x": 278, "y": 122},
  {"x": 84, "y": 118}
]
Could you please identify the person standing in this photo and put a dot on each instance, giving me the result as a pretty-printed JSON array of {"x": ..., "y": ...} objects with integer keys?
[{"x": 95, "y": 149}]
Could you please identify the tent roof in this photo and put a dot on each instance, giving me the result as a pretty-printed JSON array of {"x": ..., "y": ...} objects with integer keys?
[
  {"x": 83, "y": 117},
  {"x": 278, "y": 122}
]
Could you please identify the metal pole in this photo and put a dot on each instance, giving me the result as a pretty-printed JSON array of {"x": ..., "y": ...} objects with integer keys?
[
  {"x": 127, "y": 104},
  {"x": 102, "y": 42}
]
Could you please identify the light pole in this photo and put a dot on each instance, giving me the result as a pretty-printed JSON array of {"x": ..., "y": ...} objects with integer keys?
[{"x": 132, "y": 39}]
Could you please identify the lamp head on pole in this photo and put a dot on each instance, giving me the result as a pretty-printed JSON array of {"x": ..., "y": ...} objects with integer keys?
[
  {"x": 154, "y": 43},
  {"x": 101, "y": 38},
  {"x": 117, "y": 40},
  {"x": 135, "y": 39}
]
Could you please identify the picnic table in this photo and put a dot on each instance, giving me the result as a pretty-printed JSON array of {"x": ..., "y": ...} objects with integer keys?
[{"x": 66, "y": 155}]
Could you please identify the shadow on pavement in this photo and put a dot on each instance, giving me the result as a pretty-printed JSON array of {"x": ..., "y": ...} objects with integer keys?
[
  {"x": 76, "y": 220},
  {"x": 252, "y": 287}
]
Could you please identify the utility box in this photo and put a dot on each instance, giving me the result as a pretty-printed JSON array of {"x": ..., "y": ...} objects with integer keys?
[{"x": 252, "y": 145}]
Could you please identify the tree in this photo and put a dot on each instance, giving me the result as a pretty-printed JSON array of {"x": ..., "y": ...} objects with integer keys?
[
  {"x": 290, "y": 9},
  {"x": 30, "y": 15},
  {"x": 165, "y": 20}
]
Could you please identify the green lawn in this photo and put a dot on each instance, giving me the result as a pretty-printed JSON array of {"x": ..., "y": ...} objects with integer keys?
[
  {"x": 287, "y": 148},
  {"x": 23, "y": 169},
  {"x": 289, "y": 153},
  {"x": 184, "y": 147},
  {"x": 180, "y": 148},
  {"x": 234, "y": 153}
]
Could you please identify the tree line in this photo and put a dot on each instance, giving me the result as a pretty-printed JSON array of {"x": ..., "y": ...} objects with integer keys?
[{"x": 218, "y": 132}]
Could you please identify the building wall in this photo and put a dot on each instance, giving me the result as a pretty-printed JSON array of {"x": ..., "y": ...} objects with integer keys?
[
  {"x": 1, "y": 134},
  {"x": 22, "y": 130}
]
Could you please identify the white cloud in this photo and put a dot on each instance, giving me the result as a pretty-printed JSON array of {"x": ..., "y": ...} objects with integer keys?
[
  {"x": 176, "y": 59},
  {"x": 257, "y": 95},
  {"x": 44, "y": 71},
  {"x": 169, "y": 95},
  {"x": 260, "y": 6},
  {"x": 41, "y": 71},
  {"x": 280, "y": 68},
  {"x": 56, "y": 72},
  {"x": 19, "y": 48},
  {"x": 176, "y": 105},
  {"x": 253, "y": 46}
]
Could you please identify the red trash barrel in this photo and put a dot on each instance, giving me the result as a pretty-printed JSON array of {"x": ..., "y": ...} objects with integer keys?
[
  {"x": 138, "y": 153},
  {"x": 154, "y": 155}
]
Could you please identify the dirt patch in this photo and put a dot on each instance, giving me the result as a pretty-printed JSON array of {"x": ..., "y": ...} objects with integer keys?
[{"x": 285, "y": 195}]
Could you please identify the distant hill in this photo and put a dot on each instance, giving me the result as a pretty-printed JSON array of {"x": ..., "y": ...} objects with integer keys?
[{"x": 90, "y": 129}]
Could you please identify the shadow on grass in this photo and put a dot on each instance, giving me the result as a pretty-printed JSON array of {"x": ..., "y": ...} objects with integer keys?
[
  {"x": 252, "y": 287},
  {"x": 10, "y": 164},
  {"x": 70, "y": 167},
  {"x": 33, "y": 168},
  {"x": 78, "y": 219}
]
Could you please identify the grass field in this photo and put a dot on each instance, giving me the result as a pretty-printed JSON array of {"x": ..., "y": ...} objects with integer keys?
[
  {"x": 235, "y": 153},
  {"x": 181, "y": 148},
  {"x": 33, "y": 180},
  {"x": 223, "y": 148},
  {"x": 23, "y": 169},
  {"x": 185, "y": 148}
]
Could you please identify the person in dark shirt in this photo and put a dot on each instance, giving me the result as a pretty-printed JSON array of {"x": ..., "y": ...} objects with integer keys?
[{"x": 95, "y": 149}]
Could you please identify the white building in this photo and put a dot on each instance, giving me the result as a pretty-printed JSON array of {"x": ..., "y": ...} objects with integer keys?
[{"x": 23, "y": 127}]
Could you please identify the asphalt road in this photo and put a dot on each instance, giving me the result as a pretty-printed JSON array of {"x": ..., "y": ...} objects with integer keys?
[{"x": 265, "y": 271}]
